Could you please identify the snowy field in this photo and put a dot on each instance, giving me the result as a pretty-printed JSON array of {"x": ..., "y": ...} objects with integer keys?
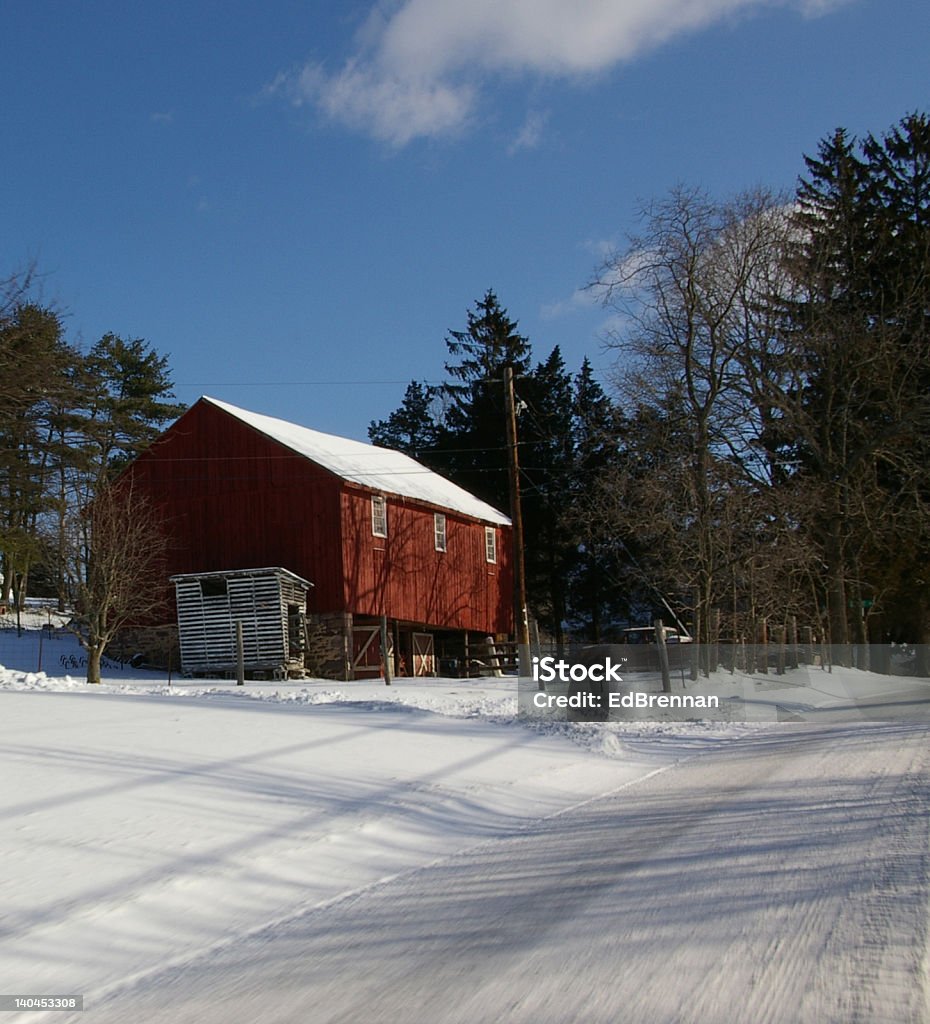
[{"x": 327, "y": 851}]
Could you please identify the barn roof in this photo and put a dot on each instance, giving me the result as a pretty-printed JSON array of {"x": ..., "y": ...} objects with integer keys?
[
  {"x": 271, "y": 570},
  {"x": 381, "y": 469}
]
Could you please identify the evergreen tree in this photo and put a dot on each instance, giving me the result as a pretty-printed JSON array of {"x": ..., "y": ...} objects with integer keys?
[
  {"x": 489, "y": 343},
  {"x": 898, "y": 192},
  {"x": 567, "y": 439},
  {"x": 546, "y": 461},
  {"x": 129, "y": 401},
  {"x": 596, "y": 594},
  {"x": 471, "y": 442},
  {"x": 412, "y": 428},
  {"x": 828, "y": 330},
  {"x": 34, "y": 363},
  {"x": 857, "y": 337}
]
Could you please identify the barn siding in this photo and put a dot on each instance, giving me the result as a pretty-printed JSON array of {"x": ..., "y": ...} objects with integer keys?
[
  {"x": 404, "y": 577},
  {"x": 233, "y": 498}
]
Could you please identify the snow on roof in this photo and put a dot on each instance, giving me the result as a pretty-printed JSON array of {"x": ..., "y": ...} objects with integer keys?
[
  {"x": 381, "y": 469},
  {"x": 270, "y": 570}
]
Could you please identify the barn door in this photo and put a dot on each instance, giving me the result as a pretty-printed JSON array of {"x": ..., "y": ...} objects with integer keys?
[
  {"x": 424, "y": 660},
  {"x": 366, "y": 648}
]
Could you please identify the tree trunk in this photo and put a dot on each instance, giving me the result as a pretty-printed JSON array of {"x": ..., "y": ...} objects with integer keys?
[
  {"x": 836, "y": 597},
  {"x": 6, "y": 581},
  {"x": 94, "y": 655}
]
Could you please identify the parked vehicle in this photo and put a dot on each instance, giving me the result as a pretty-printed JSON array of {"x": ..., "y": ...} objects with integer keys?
[
  {"x": 641, "y": 649},
  {"x": 647, "y": 635}
]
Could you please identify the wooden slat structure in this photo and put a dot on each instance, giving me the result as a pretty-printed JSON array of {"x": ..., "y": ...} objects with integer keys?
[{"x": 269, "y": 602}]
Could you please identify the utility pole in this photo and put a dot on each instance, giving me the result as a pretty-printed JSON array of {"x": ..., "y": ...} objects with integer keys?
[{"x": 521, "y": 620}]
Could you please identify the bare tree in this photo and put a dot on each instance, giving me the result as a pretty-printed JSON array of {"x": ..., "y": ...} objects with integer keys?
[
  {"x": 689, "y": 289},
  {"x": 783, "y": 349},
  {"x": 117, "y": 569}
]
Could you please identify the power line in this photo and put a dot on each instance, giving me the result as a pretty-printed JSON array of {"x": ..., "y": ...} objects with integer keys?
[{"x": 294, "y": 383}]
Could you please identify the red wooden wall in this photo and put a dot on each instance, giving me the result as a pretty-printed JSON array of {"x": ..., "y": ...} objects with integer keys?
[
  {"x": 232, "y": 498},
  {"x": 404, "y": 577}
]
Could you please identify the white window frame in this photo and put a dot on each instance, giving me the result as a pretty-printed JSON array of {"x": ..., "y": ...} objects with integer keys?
[
  {"x": 378, "y": 516},
  {"x": 490, "y": 544},
  {"x": 440, "y": 539}
]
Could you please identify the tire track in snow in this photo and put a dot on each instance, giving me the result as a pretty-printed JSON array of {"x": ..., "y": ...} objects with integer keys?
[{"x": 782, "y": 879}]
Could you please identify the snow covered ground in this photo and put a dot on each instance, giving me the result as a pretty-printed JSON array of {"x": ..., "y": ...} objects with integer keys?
[{"x": 343, "y": 851}]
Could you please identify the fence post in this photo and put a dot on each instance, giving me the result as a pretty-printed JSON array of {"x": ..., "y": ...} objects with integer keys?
[
  {"x": 714, "y": 640},
  {"x": 762, "y": 652},
  {"x": 663, "y": 655},
  {"x": 698, "y": 626},
  {"x": 794, "y": 642},
  {"x": 780, "y": 660},
  {"x": 240, "y": 655}
]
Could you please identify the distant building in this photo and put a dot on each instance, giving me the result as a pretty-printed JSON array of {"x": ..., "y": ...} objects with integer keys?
[{"x": 376, "y": 533}]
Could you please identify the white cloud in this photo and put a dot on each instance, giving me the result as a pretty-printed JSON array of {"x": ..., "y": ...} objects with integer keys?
[
  {"x": 600, "y": 247},
  {"x": 530, "y": 135},
  {"x": 420, "y": 65},
  {"x": 581, "y": 298},
  {"x": 393, "y": 108}
]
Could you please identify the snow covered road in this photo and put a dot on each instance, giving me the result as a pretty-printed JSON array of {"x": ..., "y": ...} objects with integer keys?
[
  {"x": 139, "y": 829},
  {"x": 782, "y": 877}
]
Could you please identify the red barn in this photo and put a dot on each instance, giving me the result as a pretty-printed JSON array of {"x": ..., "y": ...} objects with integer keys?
[{"x": 374, "y": 531}]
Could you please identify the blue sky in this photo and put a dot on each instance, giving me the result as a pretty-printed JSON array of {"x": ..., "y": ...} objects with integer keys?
[{"x": 296, "y": 201}]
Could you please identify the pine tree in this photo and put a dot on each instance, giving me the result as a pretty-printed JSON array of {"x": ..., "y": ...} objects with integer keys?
[
  {"x": 898, "y": 195},
  {"x": 34, "y": 363},
  {"x": 412, "y": 428},
  {"x": 471, "y": 442},
  {"x": 857, "y": 336},
  {"x": 546, "y": 460},
  {"x": 489, "y": 343},
  {"x": 121, "y": 399},
  {"x": 596, "y": 594},
  {"x": 129, "y": 401},
  {"x": 828, "y": 329}
]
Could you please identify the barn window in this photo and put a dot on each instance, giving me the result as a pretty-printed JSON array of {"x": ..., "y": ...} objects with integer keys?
[
  {"x": 378, "y": 516},
  {"x": 213, "y": 587},
  {"x": 490, "y": 543},
  {"x": 439, "y": 530}
]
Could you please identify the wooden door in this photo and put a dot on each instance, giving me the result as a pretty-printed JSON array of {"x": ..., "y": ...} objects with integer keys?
[{"x": 424, "y": 659}]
